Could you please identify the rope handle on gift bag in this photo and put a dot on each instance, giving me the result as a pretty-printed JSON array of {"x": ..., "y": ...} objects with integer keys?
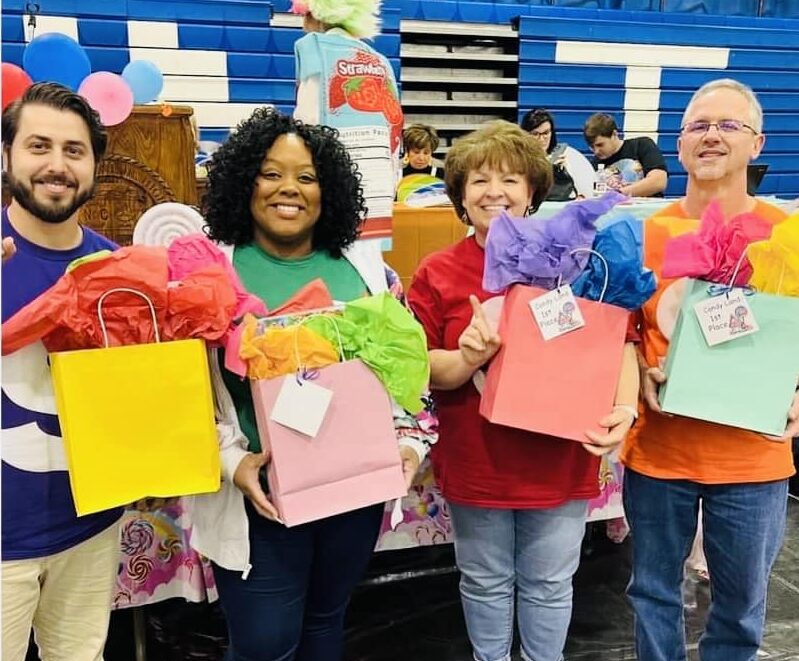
[
  {"x": 748, "y": 289},
  {"x": 127, "y": 291},
  {"x": 604, "y": 263},
  {"x": 737, "y": 268},
  {"x": 300, "y": 368}
]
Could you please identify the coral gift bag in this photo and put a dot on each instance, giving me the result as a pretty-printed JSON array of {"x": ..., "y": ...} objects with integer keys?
[
  {"x": 136, "y": 420},
  {"x": 559, "y": 387}
]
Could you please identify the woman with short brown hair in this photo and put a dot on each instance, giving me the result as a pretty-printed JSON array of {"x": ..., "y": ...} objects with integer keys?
[{"x": 518, "y": 499}]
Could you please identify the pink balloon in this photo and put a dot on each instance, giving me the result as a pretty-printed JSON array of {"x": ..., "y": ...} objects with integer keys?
[{"x": 109, "y": 95}]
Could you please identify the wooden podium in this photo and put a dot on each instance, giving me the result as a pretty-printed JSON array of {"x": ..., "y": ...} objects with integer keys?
[
  {"x": 418, "y": 232},
  {"x": 149, "y": 160}
]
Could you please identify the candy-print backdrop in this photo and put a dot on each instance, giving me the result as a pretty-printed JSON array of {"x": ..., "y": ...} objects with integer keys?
[{"x": 157, "y": 561}]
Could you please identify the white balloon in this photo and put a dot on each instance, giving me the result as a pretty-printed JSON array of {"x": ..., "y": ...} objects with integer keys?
[{"x": 581, "y": 171}]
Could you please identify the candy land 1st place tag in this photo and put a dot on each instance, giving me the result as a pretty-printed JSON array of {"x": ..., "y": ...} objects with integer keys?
[
  {"x": 725, "y": 317},
  {"x": 557, "y": 312},
  {"x": 301, "y": 405}
]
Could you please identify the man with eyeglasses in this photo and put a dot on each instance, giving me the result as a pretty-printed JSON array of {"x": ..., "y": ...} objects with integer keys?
[
  {"x": 675, "y": 465},
  {"x": 635, "y": 166}
]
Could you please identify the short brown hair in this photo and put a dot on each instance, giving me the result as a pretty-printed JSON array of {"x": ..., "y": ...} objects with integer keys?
[
  {"x": 498, "y": 144},
  {"x": 419, "y": 136},
  {"x": 599, "y": 124},
  {"x": 54, "y": 95}
]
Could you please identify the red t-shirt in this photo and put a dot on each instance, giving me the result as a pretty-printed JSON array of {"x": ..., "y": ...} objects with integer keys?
[{"x": 476, "y": 462}]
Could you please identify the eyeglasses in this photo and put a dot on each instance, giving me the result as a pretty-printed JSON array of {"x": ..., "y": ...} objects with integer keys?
[
  {"x": 723, "y": 126},
  {"x": 541, "y": 134}
]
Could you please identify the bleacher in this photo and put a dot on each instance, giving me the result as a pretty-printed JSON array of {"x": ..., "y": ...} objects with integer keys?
[
  {"x": 576, "y": 62},
  {"x": 638, "y": 59}
]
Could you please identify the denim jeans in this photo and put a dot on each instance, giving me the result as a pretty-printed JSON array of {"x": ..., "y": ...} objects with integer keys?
[
  {"x": 291, "y": 606},
  {"x": 743, "y": 526},
  {"x": 529, "y": 554}
]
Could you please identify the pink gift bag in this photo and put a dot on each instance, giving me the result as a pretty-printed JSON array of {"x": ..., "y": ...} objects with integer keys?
[{"x": 352, "y": 462}]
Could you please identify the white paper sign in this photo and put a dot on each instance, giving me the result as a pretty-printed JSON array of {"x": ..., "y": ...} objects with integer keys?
[
  {"x": 368, "y": 147},
  {"x": 557, "y": 312},
  {"x": 301, "y": 405},
  {"x": 725, "y": 317}
]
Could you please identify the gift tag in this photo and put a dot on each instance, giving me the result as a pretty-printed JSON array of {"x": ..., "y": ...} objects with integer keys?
[
  {"x": 557, "y": 312},
  {"x": 725, "y": 317},
  {"x": 301, "y": 405}
]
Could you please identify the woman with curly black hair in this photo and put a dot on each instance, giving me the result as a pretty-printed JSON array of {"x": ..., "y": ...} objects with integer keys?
[
  {"x": 285, "y": 204},
  {"x": 237, "y": 172}
]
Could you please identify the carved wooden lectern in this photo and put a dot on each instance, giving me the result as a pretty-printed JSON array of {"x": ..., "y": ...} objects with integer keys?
[{"x": 149, "y": 160}]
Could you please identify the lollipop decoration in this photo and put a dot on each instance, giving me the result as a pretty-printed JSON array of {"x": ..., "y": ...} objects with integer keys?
[{"x": 163, "y": 223}]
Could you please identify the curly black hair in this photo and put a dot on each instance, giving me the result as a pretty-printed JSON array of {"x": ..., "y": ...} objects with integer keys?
[{"x": 235, "y": 165}]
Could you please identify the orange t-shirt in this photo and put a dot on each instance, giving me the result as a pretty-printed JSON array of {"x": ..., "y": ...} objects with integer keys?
[{"x": 675, "y": 447}]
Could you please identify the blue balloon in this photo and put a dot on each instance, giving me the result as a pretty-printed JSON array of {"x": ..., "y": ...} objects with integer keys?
[
  {"x": 145, "y": 80},
  {"x": 57, "y": 58}
]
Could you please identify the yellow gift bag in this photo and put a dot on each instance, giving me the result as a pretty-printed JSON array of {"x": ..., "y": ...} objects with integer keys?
[{"x": 136, "y": 420}]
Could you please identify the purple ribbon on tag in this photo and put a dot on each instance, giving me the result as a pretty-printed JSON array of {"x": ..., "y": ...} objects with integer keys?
[{"x": 304, "y": 374}]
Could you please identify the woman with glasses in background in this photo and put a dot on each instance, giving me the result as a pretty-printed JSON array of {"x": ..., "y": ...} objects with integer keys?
[{"x": 573, "y": 174}]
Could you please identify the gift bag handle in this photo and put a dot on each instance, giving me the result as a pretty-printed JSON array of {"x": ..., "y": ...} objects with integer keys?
[
  {"x": 737, "y": 268},
  {"x": 127, "y": 291},
  {"x": 749, "y": 288},
  {"x": 308, "y": 318},
  {"x": 604, "y": 263}
]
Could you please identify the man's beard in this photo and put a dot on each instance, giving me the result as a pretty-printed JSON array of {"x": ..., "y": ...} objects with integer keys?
[{"x": 48, "y": 213}]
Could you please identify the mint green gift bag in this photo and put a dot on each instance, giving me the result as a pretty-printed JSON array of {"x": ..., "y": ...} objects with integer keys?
[{"x": 747, "y": 382}]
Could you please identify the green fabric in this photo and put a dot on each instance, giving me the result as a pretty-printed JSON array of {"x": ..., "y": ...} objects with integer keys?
[
  {"x": 384, "y": 335},
  {"x": 748, "y": 382},
  {"x": 274, "y": 281}
]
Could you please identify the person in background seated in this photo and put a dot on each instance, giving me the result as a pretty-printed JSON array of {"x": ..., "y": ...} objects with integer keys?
[
  {"x": 420, "y": 142},
  {"x": 634, "y": 166},
  {"x": 573, "y": 174}
]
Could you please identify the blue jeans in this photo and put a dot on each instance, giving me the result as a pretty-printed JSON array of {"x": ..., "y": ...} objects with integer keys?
[
  {"x": 529, "y": 554},
  {"x": 291, "y": 606},
  {"x": 743, "y": 528}
]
